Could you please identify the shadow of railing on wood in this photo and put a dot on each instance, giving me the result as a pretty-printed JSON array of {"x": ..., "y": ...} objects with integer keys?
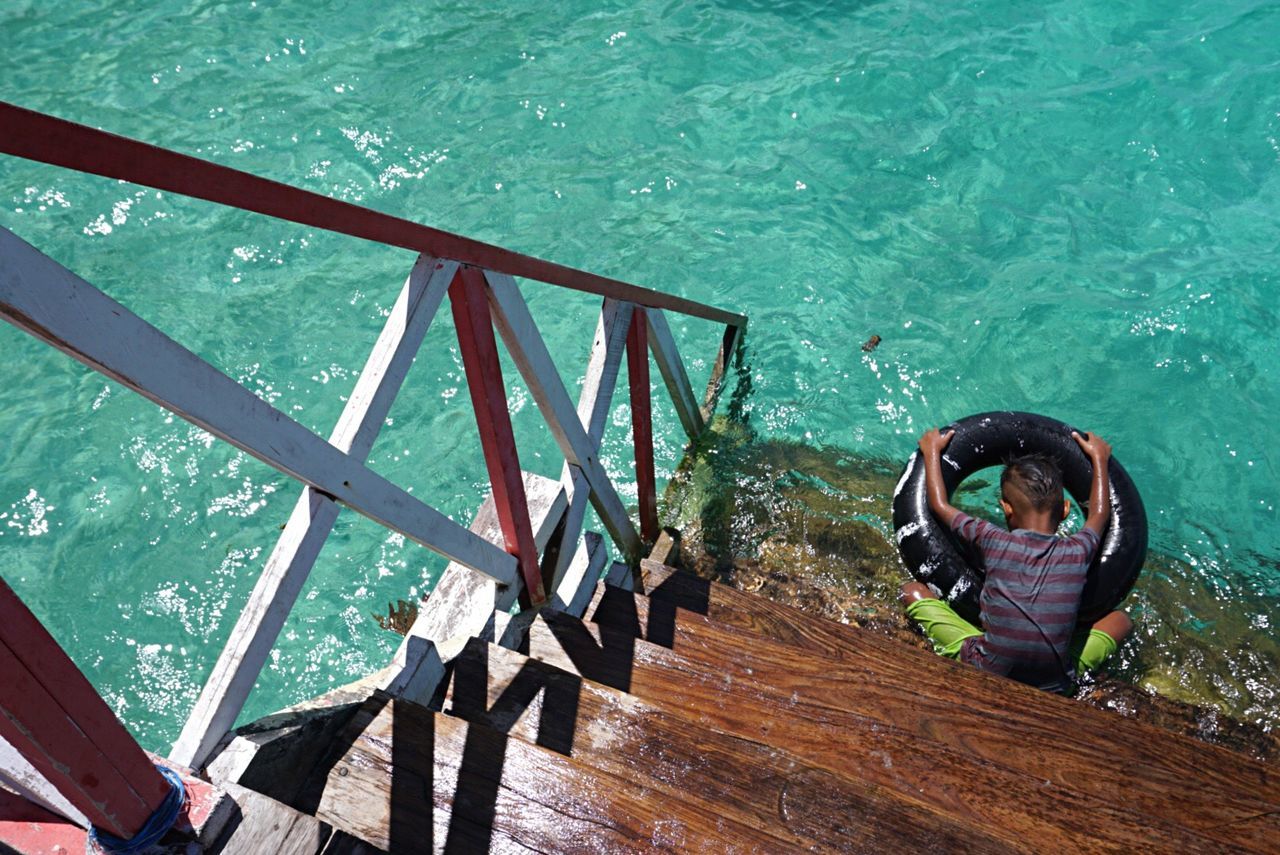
[{"x": 88, "y": 325}]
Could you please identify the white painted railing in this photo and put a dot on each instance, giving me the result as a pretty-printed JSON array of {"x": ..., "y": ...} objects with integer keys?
[{"x": 528, "y": 515}]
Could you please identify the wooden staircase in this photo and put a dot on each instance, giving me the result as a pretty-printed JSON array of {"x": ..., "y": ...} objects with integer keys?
[{"x": 692, "y": 717}]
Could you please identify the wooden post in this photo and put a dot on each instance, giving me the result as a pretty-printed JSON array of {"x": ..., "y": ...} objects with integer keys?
[
  {"x": 314, "y": 514},
  {"x": 489, "y": 398},
  {"x": 52, "y": 715},
  {"x": 642, "y": 423},
  {"x": 529, "y": 352}
]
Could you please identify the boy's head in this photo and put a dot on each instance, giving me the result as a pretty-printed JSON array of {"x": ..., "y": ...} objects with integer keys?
[{"x": 1031, "y": 493}]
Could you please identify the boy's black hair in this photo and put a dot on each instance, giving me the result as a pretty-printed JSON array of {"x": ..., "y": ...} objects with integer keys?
[{"x": 1036, "y": 476}]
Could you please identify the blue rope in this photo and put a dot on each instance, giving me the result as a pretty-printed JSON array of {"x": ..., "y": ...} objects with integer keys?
[{"x": 156, "y": 827}]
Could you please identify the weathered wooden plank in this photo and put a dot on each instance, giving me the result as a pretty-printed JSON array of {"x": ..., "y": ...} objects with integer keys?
[
  {"x": 265, "y": 825},
  {"x": 620, "y": 576},
  {"x": 32, "y": 721},
  {"x": 1081, "y": 749},
  {"x": 274, "y": 755},
  {"x": 415, "y": 781},
  {"x": 572, "y": 597},
  {"x": 578, "y": 494},
  {"x": 53, "y": 304},
  {"x": 666, "y": 549},
  {"x": 342, "y": 843},
  {"x": 1111, "y": 752},
  {"x": 286, "y": 571},
  {"x": 724, "y": 356},
  {"x": 529, "y": 352},
  {"x": 462, "y": 603},
  {"x": 392, "y": 355},
  {"x": 598, "y": 384},
  {"x": 826, "y": 721},
  {"x": 603, "y": 365},
  {"x": 579, "y": 582},
  {"x": 671, "y": 367},
  {"x": 671, "y": 754},
  {"x": 51, "y": 140}
]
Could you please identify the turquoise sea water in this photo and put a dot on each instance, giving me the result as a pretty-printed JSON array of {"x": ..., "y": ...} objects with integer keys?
[{"x": 1071, "y": 208}]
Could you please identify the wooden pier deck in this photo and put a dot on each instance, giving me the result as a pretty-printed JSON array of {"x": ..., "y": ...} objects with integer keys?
[
  {"x": 682, "y": 717},
  {"x": 694, "y": 718}
]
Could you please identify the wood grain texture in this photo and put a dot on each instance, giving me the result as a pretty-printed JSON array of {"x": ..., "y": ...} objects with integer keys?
[
  {"x": 17, "y": 775},
  {"x": 601, "y": 377},
  {"x": 804, "y": 807},
  {"x": 642, "y": 424},
  {"x": 462, "y": 602},
  {"x": 830, "y": 722},
  {"x": 479, "y": 351},
  {"x": 416, "y": 781},
  {"x": 265, "y": 825},
  {"x": 583, "y": 573},
  {"x": 342, "y": 843},
  {"x": 1158, "y": 772}
]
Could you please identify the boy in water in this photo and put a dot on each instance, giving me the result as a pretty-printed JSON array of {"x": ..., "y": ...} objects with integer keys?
[{"x": 1031, "y": 595}]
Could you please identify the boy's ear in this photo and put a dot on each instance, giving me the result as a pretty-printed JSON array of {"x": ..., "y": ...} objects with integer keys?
[
  {"x": 1066, "y": 508},
  {"x": 1006, "y": 507}
]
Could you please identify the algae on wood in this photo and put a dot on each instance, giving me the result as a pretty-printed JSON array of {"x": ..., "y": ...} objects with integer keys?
[{"x": 811, "y": 527}]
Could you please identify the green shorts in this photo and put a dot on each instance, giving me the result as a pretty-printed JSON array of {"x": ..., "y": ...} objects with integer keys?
[{"x": 947, "y": 630}]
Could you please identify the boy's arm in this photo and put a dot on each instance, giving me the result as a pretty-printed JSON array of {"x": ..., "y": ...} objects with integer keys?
[
  {"x": 931, "y": 446},
  {"x": 1100, "y": 492}
]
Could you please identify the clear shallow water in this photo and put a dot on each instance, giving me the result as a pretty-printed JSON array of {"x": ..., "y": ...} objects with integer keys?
[{"x": 1071, "y": 209}]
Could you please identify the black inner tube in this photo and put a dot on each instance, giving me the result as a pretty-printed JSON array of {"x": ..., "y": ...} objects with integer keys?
[{"x": 936, "y": 557}]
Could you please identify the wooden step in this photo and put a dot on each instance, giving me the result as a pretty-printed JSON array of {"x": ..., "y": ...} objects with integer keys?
[
  {"x": 1044, "y": 735},
  {"x": 815, "y": 718},
  {"x": 409, "y": 780},
  {"x": 741, "y": 782},
  {"x": 263, "y": 824}
]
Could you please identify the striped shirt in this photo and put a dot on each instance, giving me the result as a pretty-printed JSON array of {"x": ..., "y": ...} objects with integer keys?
[{"x": 1029, "y": 601}]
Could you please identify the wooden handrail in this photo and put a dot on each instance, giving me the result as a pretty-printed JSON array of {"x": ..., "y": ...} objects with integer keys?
[
  {"x": 642, "y": 424},
  {"x": 52, "y": 715},
  {"x": 50, "y": 302},
  {"x": 48, "y": 139}
]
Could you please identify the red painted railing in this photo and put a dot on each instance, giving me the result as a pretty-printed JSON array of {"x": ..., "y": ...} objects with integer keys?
[
  {"x": 642, "y": 425},
  {"x": 48, "y": 710},
  {"x": 61, "y": 725},
  {"x": 48, "y": 139}
]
